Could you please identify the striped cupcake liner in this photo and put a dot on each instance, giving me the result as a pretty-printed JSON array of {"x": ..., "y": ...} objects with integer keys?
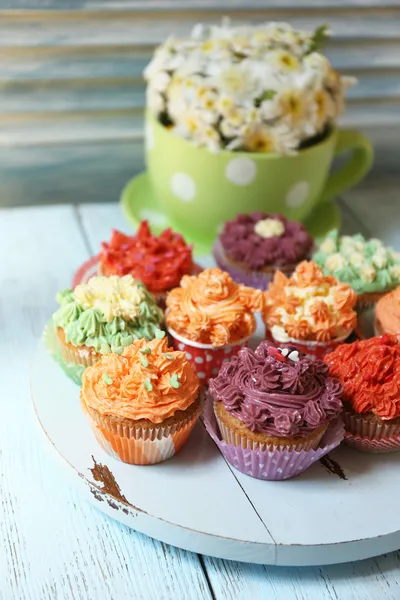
[
  {"x": 370, "y": 436},
  {"x": 138, "y": 445},
  {"x": 271, "y": 464}
]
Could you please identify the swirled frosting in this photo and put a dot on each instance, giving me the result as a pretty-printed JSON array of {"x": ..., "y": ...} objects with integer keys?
[
  {"x": 366, "y": 265},
  {"x": 309, "y": 306},
  {"x": 369, "y": 371},
  {"x": 148, "y": 380},
  {"x": 260, "y": 240},
  {"x": 158, "y": 261},
  {"x": 387, "y": 312},
  {"x": 107, "y": 313},
  {"x": 212, "y": 309},
  {"x": 273, "y": 394}
]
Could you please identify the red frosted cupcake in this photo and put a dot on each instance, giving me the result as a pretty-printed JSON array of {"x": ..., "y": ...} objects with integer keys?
[
  {"x": 369, "y": 371},
  {"x": 158, "y": 261},
  {"x": 251, "y": 248}
]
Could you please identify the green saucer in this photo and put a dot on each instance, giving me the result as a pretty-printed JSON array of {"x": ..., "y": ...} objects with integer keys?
[{"x": 139, "y": 202}]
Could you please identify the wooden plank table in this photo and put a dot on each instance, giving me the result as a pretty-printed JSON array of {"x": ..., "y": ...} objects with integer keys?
[{"x": 53, "y": 546}]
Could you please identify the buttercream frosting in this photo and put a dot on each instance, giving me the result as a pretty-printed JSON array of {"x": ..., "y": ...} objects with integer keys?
[
  {"x": 158, "y": 261},
  {"x": 369, "y": 371},
  {"x": 148, "y": 380},
  {"x": 272, "y": 393},
  {"x": 107, "y": 313},
  {"x": 260, "y": 240},
  {"x": 212, "y": 308},
  {"x": 366, "y": 265},
  {"x": 309, "y": 306},
  {"x": 387, "y": 312}
]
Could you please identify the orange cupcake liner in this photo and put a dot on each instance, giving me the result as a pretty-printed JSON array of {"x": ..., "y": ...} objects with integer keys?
[
  {"x": 231, "y": 436},
  {"x": 137, "y": 445}
]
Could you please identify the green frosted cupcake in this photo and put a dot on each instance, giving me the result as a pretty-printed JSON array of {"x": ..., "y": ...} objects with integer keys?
[
  {"x": 368, "y": 266},
  {"x": 104, "y": 315}
]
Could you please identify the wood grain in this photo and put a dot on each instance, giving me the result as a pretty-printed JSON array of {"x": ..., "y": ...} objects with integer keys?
[{"x": 53, "y": 546}]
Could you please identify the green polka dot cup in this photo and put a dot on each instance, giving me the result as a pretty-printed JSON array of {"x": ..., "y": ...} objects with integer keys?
[{"x": 199, "y": 190}]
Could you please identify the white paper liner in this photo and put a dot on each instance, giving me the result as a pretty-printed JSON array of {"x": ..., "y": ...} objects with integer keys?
[
  {"x": 370, "y": 436},
  {"x": 271, "y": 465}
]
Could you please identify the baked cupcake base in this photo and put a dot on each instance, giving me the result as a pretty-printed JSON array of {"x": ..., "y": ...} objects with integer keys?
[
  {"x": 206, "y": 359},
  {"x": 71, "y": 369},
  {"x": 78, "y": 355},
  {"x": 368, "y": 300},
  {"x": 233, "y": 431},
  {"x": 271, "y": 464},
  {"x": 314, "y": 350},
  {"x": 367, "y": 432},
  {"x": 143, "y": 442},
  {"x": 257, "y": 279}
]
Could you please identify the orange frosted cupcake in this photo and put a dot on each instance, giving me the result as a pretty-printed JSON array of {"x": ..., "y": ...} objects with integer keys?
[
  {"x": 211, "y": 317},
  {"x": 369, "y": 371},
  {"x": 158, "y": 261},
  {"x": 142, "y": 404},
  {"x": 309, "y": 310},
  {"x": 387, "y": 314}
]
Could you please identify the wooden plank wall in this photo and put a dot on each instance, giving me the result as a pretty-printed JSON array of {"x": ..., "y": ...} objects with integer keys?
[{"x": 72, "y": 96}]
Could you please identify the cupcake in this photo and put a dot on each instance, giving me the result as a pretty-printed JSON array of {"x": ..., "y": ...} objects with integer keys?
[
  {"x": 371, "y": 269},
  {"x": 310, "y": 311},
  {"x": 369, "y": 371},
  {"x": 387, "y": 314},
  {"x": 142, "y": 404},
  {"x": 211, "y": 317},
  {"x": 251, "y": 248},
  {"x": 158, "y": 261},
  {"x": 101, "y": 316},
  {"x": 275, "y": 400}
]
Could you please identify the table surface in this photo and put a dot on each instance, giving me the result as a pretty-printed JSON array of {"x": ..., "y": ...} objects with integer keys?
[{"x": 55, "y": 546}]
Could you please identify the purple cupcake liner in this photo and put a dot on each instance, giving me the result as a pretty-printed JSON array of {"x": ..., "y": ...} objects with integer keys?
[
  {"x": 271, "y": 465},
  {"x": 259, "y": 280}
]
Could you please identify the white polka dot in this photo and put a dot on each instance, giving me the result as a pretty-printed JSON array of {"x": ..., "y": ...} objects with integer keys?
[
  {"x": 227, "y": 350},
  {"x": 183, "y": 187},
  {"x": 181, "y": 346},
  {"x": 199, "y": 360},
  {"x": 201, "y": 375},
  {"x": 209, "y": 357},
  {"x": 149, "y": 136},
  {"x": 241, "y": 171},
  {"x": 297, "y": 194},
  {"x": 189, "y": 356}
]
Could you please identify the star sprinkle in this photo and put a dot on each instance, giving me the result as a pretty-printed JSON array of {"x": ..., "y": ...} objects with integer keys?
[
  {"x": 107, "y": 379},
  {"x": 143, "y": 361},
  {"x": 145, "y": 350},
  {"x": 148, "y": 385},
  {"x": 160, "y": 334}
]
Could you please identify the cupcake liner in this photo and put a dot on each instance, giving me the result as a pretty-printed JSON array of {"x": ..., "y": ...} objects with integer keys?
[
  {"x": 230, "y": 436},
  {"x": 368, "y": 300},
  {"x": 257, "y": 279},
  {"x": 370, "y": 436},
  {"x": 71, "y": 369},
  {"x": 137, "y": 445},
  {"x": 271, "y": 465},
  {"x": 205, "y": 358},
  {"x": 314, "y": 350}
]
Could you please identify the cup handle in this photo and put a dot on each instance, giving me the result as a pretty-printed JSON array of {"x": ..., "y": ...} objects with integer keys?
[{"x": 356, "y": 167}]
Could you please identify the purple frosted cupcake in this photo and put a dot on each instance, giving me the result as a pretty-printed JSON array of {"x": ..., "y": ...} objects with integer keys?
[
  {"x": 272, "y": 399},
  {"x": 252, "y": 247}
]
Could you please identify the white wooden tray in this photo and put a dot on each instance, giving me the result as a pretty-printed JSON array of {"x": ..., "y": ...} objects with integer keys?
[{"x": 340, "y": 510}]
